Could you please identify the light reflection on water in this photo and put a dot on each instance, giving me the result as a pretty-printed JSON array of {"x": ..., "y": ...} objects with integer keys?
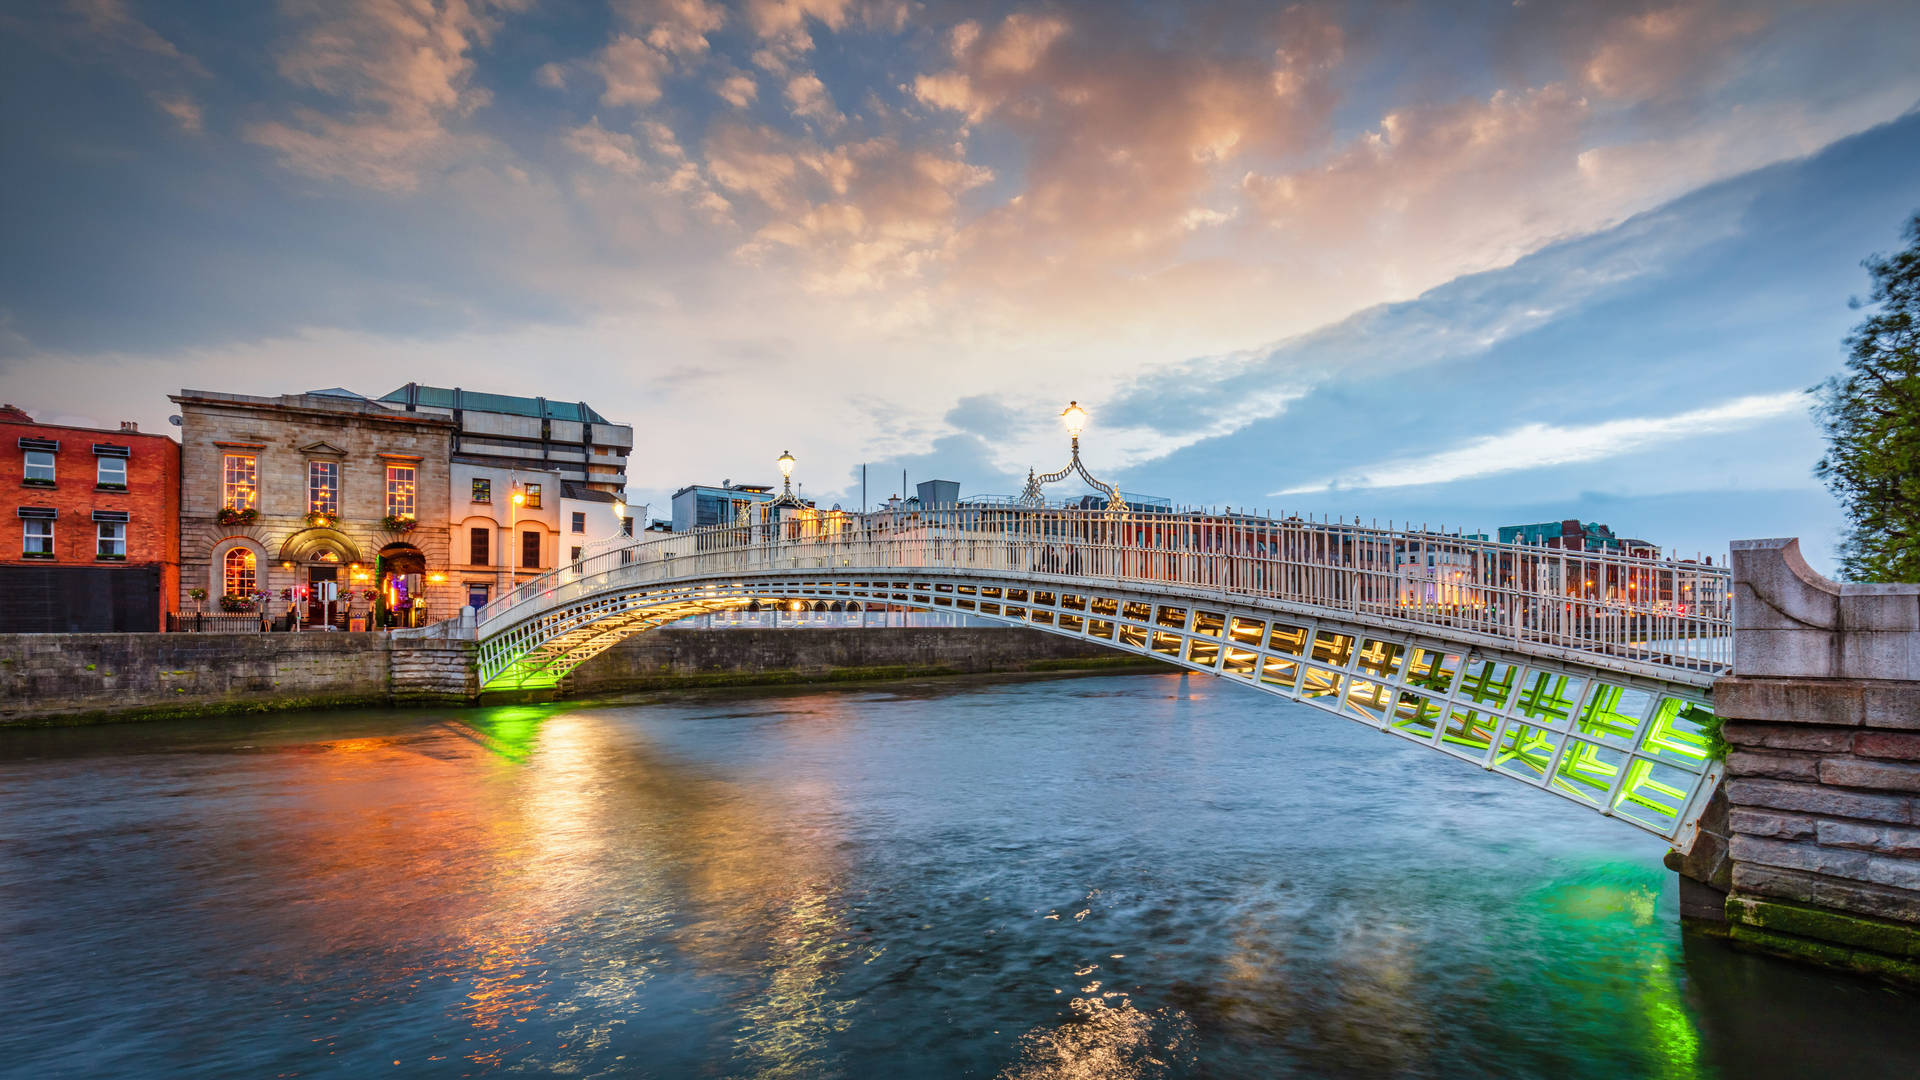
[{"x": 1114, "y": 877}]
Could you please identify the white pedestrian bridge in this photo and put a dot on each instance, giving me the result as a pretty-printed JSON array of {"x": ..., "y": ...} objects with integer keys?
[{"x": 1585, "y": 674}]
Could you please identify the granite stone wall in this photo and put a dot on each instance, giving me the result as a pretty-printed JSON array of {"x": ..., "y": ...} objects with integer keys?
[
  {"x": 1822, "y": 722},
  {"x": 666, "y": 658}
]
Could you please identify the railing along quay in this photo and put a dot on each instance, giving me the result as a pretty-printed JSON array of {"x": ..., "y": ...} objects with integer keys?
[{"x": 1663, "y": 612}]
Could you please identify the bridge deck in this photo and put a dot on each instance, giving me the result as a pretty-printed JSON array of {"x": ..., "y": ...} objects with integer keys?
[{"x": 1597, "y": 692}]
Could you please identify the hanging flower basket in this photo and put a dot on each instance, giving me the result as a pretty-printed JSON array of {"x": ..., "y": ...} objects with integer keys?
[
  {"x": 198, "y": 596},
  {"x": 322, "y": 519},
  {"x": 397, "y": 523},
  {"x": 230, "y": 516}
]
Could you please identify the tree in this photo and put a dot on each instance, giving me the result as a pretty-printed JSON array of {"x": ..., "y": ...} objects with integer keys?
[{"x": 1871, "y": 413}]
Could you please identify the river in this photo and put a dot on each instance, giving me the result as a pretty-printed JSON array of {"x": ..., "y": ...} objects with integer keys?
[{"x": 1117, "y": 876}]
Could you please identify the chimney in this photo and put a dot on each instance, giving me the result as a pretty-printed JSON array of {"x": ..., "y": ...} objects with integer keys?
[
  {"x": 129, "y": 425},
  {"x": 14, "y": 412}
]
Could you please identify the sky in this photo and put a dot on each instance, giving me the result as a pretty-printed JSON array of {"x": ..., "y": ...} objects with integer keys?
[{"x": 1463, "y": 264}]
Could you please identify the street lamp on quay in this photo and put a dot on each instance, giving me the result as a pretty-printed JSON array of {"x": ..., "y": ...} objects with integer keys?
[{"x": 1075, "y": 418}]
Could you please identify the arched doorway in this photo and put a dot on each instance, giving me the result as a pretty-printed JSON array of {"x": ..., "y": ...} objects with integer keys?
[
  {"x": 324, "y": 562},
  {"x": 400, "y": 583}
]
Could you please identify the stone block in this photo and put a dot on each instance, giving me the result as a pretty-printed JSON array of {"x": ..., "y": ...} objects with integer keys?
[
  {"x": 1769, "y": 824},
  {"x": 1833, "y": 702},
  {"x": 1886, "y": 839},
  {"x": 1889, "y": 745},
  {"x": 1895, "y": 872},
  {"x": 1890, "y": 938},
  {"x": 1825, "y": 801},
  {"x": 1872, "y": 775},
  {"x": 1877, "y": 654},
  {"x": 1796, "y": 653},
  {"x": 1779, "y": 766},
  {"x": 1889, "y": 608},
  {"x": 1810, "y": 857},
  {"x": 1820, "y": 740},
  {"x": 1893, "y": 706},
  {"x": 1862, "y": 898}
]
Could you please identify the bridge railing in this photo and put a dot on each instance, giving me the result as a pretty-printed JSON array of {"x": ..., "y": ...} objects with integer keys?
[{"x": 1634, "y": 607}]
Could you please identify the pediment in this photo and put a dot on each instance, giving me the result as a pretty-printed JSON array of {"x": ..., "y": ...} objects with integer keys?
[{"x": 322, "y": 449}]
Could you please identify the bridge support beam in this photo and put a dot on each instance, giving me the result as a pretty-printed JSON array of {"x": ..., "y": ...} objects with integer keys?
[{"x": 1822, "y": 724}]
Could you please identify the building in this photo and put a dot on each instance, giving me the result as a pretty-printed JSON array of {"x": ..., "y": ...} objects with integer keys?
[
  {"x": 280, "y": 496},
  {"x": 97, "y": 514},
  {"x": 527, "y": 434},
  {"x": 592, "y": 521},
  {"x": 1573, "y": 535},
  {"x": 698, "y": 506},
  {"x": 504, "y": 527},
  {"x": 1439, "y": 568}
]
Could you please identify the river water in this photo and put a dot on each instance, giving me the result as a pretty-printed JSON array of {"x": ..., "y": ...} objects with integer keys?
[{"x": 1125, "y": 876}]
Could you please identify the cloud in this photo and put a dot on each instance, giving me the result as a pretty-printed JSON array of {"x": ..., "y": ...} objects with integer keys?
[
  {"x": 403, "y": 70},
  {"x": 738, "y": 89},
  {"x": 633, "y": 71},
  {"x": 145, "y": 55},
  {"x": 809, "y": 99},
  {"x": 1542, "y": 445}
]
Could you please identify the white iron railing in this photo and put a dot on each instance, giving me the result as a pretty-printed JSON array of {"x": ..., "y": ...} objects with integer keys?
[{"x": 1660, "y": 612}]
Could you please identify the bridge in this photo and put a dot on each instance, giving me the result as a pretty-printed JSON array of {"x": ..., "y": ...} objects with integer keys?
[{"x": 1587, "y": 675}]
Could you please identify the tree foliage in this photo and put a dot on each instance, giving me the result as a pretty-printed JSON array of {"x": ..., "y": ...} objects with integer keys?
[{"x": 1871, "y": 413}]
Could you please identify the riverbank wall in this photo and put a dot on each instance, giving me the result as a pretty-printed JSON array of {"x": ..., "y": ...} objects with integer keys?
[
  {"x": 86, "y": 678},
  {"x": 1822, "y": 786}
]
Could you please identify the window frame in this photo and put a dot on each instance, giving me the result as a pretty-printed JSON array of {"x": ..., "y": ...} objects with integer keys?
[
  {"x": 579, "y": 521},
  {"x": 100, "y": 467},
  {"x": 332, "y": 508},
  {"x": 480, "y": 542},
  {"x": 483, "y": 490},
  {"x": 29, "y": 529},
  {"x": 101, "y": 538},
  {"x": 249, "y": 564},
  {"x": 533, "y": 535},
  {"x": 403, "y": 491},
  {"x": 230, "y": 487},
  {"x": 533, "y": 496},
  {"x": 52, "y": 467}
]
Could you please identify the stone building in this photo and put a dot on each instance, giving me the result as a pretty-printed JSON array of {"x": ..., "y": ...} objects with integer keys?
[
  {"x": 284, "y": 494},
  {"x": 96, "y": 519}
]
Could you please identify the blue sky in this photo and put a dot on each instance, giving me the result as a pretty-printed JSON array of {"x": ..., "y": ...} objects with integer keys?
[{"x": 1460, "y": 263}]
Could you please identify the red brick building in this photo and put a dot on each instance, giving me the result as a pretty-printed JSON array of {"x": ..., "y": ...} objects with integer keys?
[{"x": 94, "y": 527}]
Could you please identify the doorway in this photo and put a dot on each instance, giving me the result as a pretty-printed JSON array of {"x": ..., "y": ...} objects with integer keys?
[{"x": 317, "y": 578}]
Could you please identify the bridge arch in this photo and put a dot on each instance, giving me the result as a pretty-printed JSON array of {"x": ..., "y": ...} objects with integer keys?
[{"x": 1586, "y": 701}]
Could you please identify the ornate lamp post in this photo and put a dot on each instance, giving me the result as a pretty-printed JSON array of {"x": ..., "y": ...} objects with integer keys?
[{"x": 1075, "y": 418}]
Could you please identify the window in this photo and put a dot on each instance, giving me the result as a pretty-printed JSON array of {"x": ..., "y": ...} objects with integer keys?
[
  {"x": 530, "y": 549},
  {"x": 626, "y": 526},
  {"x": 579, "y": 521},
  {"x": 477, "y": 593},
  {"x": 400, "y": 490},
  {"x": 239, "y": 482},
  {"x": 37, "y": 542},
  {"x": 113, "y": 539},
  {"x": 482, "y": 490},
  {"x": 112, "y": 472},
  {"x": 477, "y": 553},
  {"x": 533, "y": 496},
  {"x": 238, "y": 578},
  {"x": 323, "y": 487},
  {"x": 40, "y": 467},
  {"x": 574, "y": 556}
]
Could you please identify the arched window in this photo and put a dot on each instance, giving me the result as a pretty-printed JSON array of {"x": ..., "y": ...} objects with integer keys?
[{"x": 239, "y": 575}]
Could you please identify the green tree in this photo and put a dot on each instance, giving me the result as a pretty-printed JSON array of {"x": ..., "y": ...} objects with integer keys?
[{"x": 1872, "y": 416}]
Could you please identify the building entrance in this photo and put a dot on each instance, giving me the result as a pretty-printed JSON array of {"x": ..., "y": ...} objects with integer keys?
[{"x": 317, "y": 578}]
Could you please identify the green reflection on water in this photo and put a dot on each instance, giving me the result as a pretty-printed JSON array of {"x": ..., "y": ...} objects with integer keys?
[
  {"x": 510, "y": 731},
  {"x": 1610, "y": 920}
]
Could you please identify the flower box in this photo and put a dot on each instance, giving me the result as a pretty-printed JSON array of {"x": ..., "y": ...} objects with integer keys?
[{"x": 227, "y": 515}]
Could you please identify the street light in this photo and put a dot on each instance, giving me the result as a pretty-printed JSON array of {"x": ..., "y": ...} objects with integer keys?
[
  {"x": 786, "y": 464},
  {"x": 1075, "y": 418}
]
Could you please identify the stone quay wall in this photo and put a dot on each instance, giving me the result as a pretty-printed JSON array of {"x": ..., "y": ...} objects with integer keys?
[
  {"x": 671, "y": 658},
  {"x": 1822, "y": 722},
  {"x": 72, "y": 678},
  {"x": 81, "y": 678}
]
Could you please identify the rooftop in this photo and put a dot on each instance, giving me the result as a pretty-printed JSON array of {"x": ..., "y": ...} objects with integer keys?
[{"x": 440, "y": 397}]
